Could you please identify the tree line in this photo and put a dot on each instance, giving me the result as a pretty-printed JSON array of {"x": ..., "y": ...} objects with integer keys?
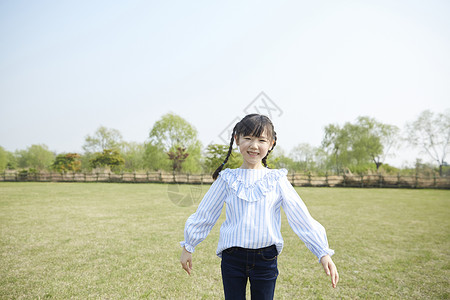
[{"x": 359, "y": 147}]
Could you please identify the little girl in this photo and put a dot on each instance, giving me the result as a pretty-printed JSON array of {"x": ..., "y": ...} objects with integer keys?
[{"x": 250, "y": 239}]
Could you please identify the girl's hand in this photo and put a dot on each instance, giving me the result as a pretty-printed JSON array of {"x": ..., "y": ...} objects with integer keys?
[
  {"x": 186, "y": 260},
  {"x": 330, "y": 269}
]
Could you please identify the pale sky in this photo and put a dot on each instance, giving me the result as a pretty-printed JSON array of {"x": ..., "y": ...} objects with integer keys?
[{"x": 68, "y": 67}]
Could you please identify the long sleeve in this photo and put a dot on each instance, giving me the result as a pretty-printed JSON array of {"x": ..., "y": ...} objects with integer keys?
[
  {"x": 199, "y": 224},
  {"x": 311, "y": 232}
]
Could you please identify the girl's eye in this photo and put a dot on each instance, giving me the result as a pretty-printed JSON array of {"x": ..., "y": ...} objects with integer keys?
[{"x": 263, "y": 141}]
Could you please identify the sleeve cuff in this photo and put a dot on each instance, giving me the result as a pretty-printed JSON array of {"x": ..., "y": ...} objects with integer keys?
[
  {"x": 328, "y": 251},
  {"x": 319, "y": 252},
  {"x": 188, "y": 247}
]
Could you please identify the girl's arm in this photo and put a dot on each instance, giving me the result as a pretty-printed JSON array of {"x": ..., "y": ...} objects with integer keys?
[
  {"x": 199, "y": 224},
  {"x": 311, "y": 232}
]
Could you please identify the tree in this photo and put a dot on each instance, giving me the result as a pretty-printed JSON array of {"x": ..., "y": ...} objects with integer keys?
[
  {"x": 320, "y": 161},
  {"x": 36, "y": 157},
  {"x": 11, "y": 161},
  {"x": 336, "y": 143},
  {"x": 3, "y": 158},
  {"x": 133, "y": 153},
  {"x": 303, "y": 156},
  {"x": 108, "y": 158},
  {"x": 431, "y": 132},
  {"x": 365, "y": 141},
  {"x": 69, "y": 162},
  {"x": 390, "y": 139},
  {"x": 306, "y": 158},
  {"x": 280, "y": 159},
  {"x": 170, "y": 133},
  {"x": 358, "y": 144},
  {"x": 376, "y": 138},
  {"x": 215, "y": 154},
  {"x": 103, "y": 139},
  {"x": 155, "y": 158},
  {"x": 177, "y": 157},
  {"x": 302, "y": 152}
]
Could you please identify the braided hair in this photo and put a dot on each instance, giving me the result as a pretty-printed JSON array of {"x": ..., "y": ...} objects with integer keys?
[{"x": 250, "y": 125}]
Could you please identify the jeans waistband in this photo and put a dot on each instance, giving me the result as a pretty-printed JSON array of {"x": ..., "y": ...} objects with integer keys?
[{"x": 253, "y": 250}]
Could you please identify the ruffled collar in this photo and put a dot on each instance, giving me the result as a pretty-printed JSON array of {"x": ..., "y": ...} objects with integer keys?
[{"x": 252, "y": 185}]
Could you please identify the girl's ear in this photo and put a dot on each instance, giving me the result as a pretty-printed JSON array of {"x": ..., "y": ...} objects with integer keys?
[{"x": 236, "y": 139}]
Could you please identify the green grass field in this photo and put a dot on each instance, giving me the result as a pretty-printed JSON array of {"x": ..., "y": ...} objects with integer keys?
[{"x": 117, "y": 241}]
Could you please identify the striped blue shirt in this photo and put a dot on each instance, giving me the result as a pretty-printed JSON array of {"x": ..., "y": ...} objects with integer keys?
[{"x": 253, "y": 201}]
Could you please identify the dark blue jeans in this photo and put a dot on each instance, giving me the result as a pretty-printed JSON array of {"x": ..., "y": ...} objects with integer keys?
[{"x": 259, "y": 265}]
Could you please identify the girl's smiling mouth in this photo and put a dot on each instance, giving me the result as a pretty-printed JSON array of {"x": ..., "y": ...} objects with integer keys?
[{"x": 252, "y": 153}]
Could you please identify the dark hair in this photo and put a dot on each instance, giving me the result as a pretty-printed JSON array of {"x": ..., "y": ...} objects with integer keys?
[{"x": 250, "y": 125}]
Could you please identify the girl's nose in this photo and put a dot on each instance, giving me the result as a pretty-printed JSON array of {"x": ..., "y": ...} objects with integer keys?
[{"x": 253, "y": 145}]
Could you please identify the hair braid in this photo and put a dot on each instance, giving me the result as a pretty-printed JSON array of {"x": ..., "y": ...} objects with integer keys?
[
  {"x": 230, "y": 150},
  {"x": 264, "y": 160}
]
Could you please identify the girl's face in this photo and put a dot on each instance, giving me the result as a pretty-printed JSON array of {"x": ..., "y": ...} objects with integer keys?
[{"x": 254, "y": 149}]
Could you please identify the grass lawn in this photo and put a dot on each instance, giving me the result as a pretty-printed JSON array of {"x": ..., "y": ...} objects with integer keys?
[{"x": 116, "y": 241}]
